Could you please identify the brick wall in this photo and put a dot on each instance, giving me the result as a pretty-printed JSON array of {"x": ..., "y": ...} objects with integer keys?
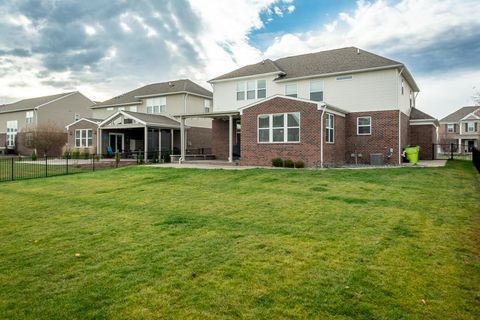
[
  {"x": 424, "y": 136},
  {"x": 384, "y": 136},
  {"x": 198, "y": 138},
  {"x": 308, "y": 150},
  {"x": 220, "y": 139},
  {"x": 82, "y": 125}
]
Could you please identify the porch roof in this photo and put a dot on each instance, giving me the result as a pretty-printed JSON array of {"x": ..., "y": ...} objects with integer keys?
[
  {"x": 212, "y": 115},
  {"x": 142, "y": 119}
]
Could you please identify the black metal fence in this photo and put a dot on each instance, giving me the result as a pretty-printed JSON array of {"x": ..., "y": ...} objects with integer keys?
[
  {"x": 476, "y": 158},
  {"x": 19, "y": 168},
  {"x": 451, "y": 151}
]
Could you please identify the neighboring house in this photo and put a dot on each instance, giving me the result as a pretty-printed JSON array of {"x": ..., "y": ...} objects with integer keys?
[
  {"x": 461, "y": 128},
  {"x": 55, "y": 110},
  {"x": 326, "y": 108},
  {"x": 141, "y": 121}
]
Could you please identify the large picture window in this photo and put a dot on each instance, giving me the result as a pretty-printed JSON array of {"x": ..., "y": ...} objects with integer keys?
[
  {"x": 12, "y": 128},
  {"x": 157, "y": 105},
  {"x": 83, "y": 138},
  {"x": 279, "y": 127},
  {"x": 329, "y": 128},
  {"x": 316, "y": 90},
  {"x": 364, "y": 125}
]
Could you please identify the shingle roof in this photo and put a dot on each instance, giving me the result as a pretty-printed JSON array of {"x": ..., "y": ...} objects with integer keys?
[
  {"x": 459, "y": 114},
  {"x": 183, "y": 85},
  {"x": 416, "y": 114},
  {"x": 311, "y": 64},
  {"x": 153, "y": 118},
  {"x": 31, "y": 103}
]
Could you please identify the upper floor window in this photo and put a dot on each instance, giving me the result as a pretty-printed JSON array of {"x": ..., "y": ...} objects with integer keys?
[
  {"x": 133, "y": 108},
  {"x": 364, "y": 125},
  {"x": 470, "y": 127},
  {"x": 207, "y": 105},
  {"x": 251, "y": 89},
  {"x": 291, "y": 90},
  {"x": 12, "y": 128},
  {"x": 121, "y": 108},
  {"x": 329, "y": 128},
  {"x": 279, "y": 127},
  {"x": 76, "y": 117},
  {"x": 157, "y": 105},
  {"x": 451, "y": 127},
  {"x": 110, "y": 109},
  {"x": 402, "y": 86},
  {"x": 261, "y": 89},
  {"x": 316, "y": 90},
  {"x": 83, "y": 138},
  {"x": 29, "y": 117}
]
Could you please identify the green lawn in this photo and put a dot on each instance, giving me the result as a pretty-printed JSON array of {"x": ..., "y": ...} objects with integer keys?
[{"x": 144, "y": 243}]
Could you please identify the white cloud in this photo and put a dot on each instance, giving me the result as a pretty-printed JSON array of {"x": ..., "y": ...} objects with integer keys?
[
  {"x": 90, "y": 30},
  {"x": 278, "y": 11},
  {"x": 291, "y": 8}
]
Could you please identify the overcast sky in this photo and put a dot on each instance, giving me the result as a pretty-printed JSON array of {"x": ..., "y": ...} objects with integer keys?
[{"x": 105, "y": 47}]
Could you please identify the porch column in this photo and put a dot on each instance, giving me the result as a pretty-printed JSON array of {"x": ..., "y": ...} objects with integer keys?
[
  {"x": 171, "y": 141},
  {"x": 182, "y": 139},
  {"x": 230, "y": 138},
  {"x": 99, "y": 141},
  {"x": 159, "y": 144},
  {"x": 145, "y": 142},
  {"x": 460, "y": 149}
]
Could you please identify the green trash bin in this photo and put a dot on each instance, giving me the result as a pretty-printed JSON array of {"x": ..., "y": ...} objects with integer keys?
[{"x": 412, "y": 153}]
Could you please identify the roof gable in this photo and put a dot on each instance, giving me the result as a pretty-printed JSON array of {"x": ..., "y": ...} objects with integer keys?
[
  {"x": 416, "y": 114},
  {"x": 32, "y": 103},
  {"x": 459, "y": 114}
]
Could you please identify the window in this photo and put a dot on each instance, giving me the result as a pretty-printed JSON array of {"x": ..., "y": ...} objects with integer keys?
[
  {"x": 261, "y": 89},
  {"x": 76, "y": 117},
  {"x": 329, "y": 128},
  {"x": 450, "y": 127},
  {"x": 341, "y": 78},
  {"x": 207, "y": 105},
  {"x": 12, "y": 128},
  {"x": 83, "y": 138},
  {"x": 250, "y": 89},
  {"x": 133, "y": 108},
  {"x": 280, "y": 127},
  {"x": 411, "y": 99},
  {"x": 29, "y": 117},
  {"x": 240, "y": 90},
  {"x": 316, "y": 90},
  {"x": 110, "y": 109},
  {"x": 157, "y": 105},
  {"x": 291, "y": 90},
  {"x": 29, "y": 140},
  {"x": 364, "y": 125},
  {"x": 470, "y": 127},
  {"x": 402, "y": 87}
]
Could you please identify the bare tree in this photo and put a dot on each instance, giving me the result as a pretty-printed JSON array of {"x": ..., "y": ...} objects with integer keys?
[
  {"x": 47, "y": 139},
  {"x": 476, "y": 96}
]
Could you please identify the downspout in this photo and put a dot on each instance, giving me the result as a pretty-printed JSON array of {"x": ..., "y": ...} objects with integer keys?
[
  {"x": 399, "y": 123},
  {"x": 321, "y": 135}
]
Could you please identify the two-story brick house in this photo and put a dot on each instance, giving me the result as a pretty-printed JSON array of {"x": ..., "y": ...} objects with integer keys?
[
  {"x": 326, "y": 108},
  {"x": 17, "y": 118},
  {"x": 141, "y": 121},
  {"x": 461, "y": 128}
]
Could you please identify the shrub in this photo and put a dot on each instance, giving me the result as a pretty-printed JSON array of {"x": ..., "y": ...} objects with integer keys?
[
  {"x": 85, "y": 154},
  {"x": 76, "y": 154},
  {"x": 299, "y": 164},
  {"x": 67, "y": 155},
  {"x": 34, "y": 156},
  {"x": 277, "y": 162},
  {"x": 288, "y": 163}
]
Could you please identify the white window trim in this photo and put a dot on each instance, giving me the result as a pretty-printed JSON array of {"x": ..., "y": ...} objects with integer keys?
[
  {"x": 310, "y": 93},
  {"x": 285, "y": 127},
  {"x": 207, "y": 105},
  {"x": 83, "y": 136},
  {"x": 358, "y": 126},
  {"x": 161, "y": 107},
  {"x": 453, "y": 127},
  {"x": 330, "y": 128},
  {"x": 245, "y": 89},
  {"x": 468, "y": 126},
  {"x": 12, "y": 134},
  {"x": 28, "y": 118}
]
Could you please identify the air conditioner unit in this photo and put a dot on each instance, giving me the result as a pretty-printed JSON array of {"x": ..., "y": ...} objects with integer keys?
[{"x": 376, "y": 159}]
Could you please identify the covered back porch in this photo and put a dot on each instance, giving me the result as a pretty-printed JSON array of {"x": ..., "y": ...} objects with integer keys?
[{"x": 138, "y": 136}]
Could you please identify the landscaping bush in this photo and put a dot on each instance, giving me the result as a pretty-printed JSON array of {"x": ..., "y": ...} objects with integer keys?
[
  {"x": 67, "y": 155},
  {"x": 299, "y": 164},
  {"x": 34, "y": 156},
  {"x": 76, "y": 154},
  {"x": 288, "y": 163},
  {"x": 85, "y": 154},
  {"x": 277, "y": 162}
]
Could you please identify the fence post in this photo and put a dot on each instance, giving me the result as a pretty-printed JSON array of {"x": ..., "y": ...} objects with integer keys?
[
  {"x": 66, "y": 158},
  {"x": 451, "y": 151},
  {"x": 13, "y": 166},
  {"x": 433, "y": 151},
  {"x": 46, "y": 166},
  {"x": 93, "y": 162}
]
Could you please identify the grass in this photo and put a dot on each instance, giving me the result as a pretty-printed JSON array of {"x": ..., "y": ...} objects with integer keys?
[{"x": 145, "y": 243}]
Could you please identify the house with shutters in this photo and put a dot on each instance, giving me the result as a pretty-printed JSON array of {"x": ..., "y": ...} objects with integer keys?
[
  {"x": 325, "y": 108},
  {"x": 17, "y": 118},
  {"x": 461, "y": 128},
  {"x": 141, "y": 122}
]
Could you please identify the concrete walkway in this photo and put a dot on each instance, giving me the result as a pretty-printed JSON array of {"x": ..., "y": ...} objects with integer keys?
[{"x": 226, "y": 166}]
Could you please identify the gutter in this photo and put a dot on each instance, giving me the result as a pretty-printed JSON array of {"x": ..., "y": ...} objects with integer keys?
[{"x": 399, "y": 123}]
